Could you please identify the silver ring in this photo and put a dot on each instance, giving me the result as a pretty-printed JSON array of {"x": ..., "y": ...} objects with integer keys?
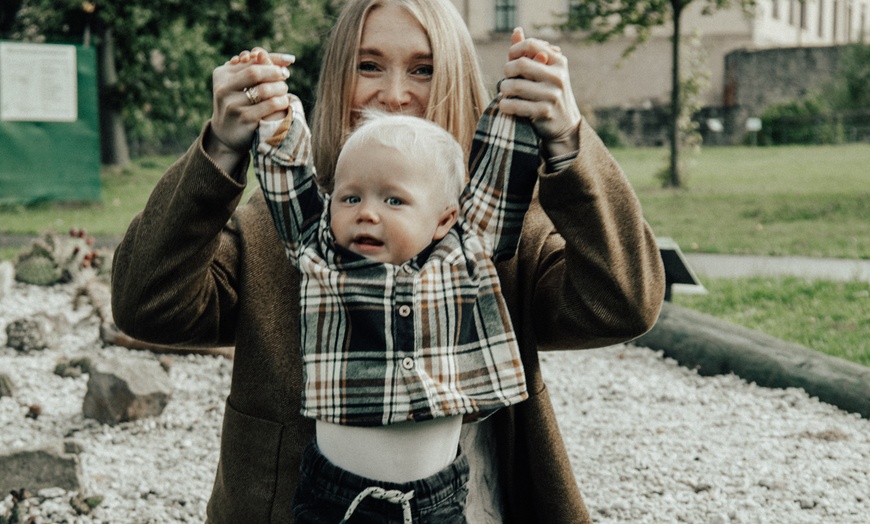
[{"x": 253, "y": 94}]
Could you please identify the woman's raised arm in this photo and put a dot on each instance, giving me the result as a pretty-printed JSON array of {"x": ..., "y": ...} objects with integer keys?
[
  {"x": 249, "y": 87},
  {"x": 537, "y": 86}
]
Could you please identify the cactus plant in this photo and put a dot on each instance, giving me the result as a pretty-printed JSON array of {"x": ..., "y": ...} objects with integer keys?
[{"x": 52, "y": 258}]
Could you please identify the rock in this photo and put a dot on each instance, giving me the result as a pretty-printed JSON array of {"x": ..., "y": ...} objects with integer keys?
[
  {"x": 73, "y": 446},
  {"x": 72, "y": 368},
  {"x": 7, "y": 387},
  {"x": 720, "y": 519},
  {"x": 166, "y": 362},
  {"x": 35, "y": 333},
  {"x": 7, "y": 277},
  {"x": 51, "y": 493},
  {"x": 806, "y": 503},
  {"x": 47, "y": 466},
  {"x": 122, "y": 391}
]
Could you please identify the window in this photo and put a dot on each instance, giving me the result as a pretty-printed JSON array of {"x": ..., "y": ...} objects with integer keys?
[
  {"x": 862, "y": 31},
  {"x": 775, "y": 9},
  {"x": 821, "y": 18},
  {"x": 849, "y": 24},
  {"x": 803, "y": 15},
  {"x": 505, "y": 15},
  {"x": 834, "y": 26}
]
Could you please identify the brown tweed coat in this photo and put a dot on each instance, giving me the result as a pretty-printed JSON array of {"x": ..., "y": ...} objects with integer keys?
[{"x": 196, "y": 268}]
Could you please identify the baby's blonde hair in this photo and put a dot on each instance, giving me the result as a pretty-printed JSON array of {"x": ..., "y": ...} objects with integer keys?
[{"x": 420, "y": 141}]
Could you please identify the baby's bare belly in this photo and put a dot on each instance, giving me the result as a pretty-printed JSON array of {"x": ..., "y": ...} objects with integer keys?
[{"x": 395, "y": 453}]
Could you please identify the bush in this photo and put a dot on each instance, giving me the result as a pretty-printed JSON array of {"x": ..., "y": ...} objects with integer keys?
[
  {"x": 852, "y": 90},
  {"x": 806, "y": 121},
  {"x": 610, "y": 134}
]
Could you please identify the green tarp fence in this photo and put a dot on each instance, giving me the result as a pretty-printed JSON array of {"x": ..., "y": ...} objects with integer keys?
[{"x": 48, "y": 154}]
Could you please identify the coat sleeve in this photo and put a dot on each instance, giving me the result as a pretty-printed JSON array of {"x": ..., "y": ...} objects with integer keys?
[
  {"x": 174, "y": 272},
  {"x": 593, "y": 260}
]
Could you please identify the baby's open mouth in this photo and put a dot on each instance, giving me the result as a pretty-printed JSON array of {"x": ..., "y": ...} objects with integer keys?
[{"x": 366, "y": 240}]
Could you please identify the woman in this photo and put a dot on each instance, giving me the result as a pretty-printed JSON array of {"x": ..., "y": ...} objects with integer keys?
[{"x": 196, "y": 268}]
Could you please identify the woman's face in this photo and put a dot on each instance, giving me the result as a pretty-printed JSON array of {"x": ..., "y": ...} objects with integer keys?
[{"x": 394, "y": 66}]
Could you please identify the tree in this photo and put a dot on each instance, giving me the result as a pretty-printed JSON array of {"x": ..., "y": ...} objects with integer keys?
[
  {"x": 164, "y": 52},
  {"x": 605, "y": 20}
]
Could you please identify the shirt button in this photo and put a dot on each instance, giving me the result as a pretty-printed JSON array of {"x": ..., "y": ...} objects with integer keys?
[
  {"x": 407, "y": 268},
  {"x": 405, "y": 310},
  {"x": 408, "y": 363}
]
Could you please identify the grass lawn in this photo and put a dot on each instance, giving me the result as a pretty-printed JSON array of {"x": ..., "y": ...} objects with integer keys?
[
  {"x": 125, "y": 192},
  {"x": 801, "y": 200},
  {"x": 810, "y": 201},
  {"x": 831, "y": 317}
]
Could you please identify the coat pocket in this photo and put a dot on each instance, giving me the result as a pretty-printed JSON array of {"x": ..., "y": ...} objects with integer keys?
[{"x": 247, "y": 475}]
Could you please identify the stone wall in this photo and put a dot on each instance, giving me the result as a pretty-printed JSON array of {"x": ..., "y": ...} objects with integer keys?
[{"x": 753, "y": 81}]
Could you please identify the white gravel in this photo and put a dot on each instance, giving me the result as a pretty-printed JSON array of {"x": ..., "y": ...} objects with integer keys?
[{"x": 650, "y": 441}]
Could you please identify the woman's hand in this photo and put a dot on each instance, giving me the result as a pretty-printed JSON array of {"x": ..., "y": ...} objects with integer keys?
[
  {"x": 537, "y": 86},
  {"x": 237, "y": 112}
]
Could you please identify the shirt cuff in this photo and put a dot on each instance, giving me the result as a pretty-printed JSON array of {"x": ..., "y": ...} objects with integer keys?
[
  {"x": 239, "y": 172},
  {"x": 268, "y": 128}
]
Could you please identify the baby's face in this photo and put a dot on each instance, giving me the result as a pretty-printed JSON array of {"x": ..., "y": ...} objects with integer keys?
[{"x": 385, "y": 206}]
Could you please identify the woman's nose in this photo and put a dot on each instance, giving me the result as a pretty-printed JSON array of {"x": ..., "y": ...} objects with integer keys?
[{"x": 394, "y": 93}]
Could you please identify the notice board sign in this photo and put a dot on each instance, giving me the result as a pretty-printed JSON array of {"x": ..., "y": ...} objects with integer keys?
[
  {"x": 49, "y": 124},
  {"x": 38, "y": 83}
]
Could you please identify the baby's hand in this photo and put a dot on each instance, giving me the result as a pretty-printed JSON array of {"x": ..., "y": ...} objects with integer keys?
[{"x": 257, "y": 55}]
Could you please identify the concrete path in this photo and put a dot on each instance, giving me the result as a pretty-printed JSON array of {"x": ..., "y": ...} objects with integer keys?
[{"x": 736, "y": 266}]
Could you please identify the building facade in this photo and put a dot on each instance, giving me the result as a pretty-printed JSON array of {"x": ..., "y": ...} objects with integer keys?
[{"x": 602, "y": 78}]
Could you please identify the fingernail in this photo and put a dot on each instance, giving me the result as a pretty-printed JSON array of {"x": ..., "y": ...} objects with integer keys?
[
  {"x": 285, "y": 72},
  {"x": 288, "y": 58}
]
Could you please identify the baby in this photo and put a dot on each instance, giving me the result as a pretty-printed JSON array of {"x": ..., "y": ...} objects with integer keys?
[{"x": 404, "y": 331}]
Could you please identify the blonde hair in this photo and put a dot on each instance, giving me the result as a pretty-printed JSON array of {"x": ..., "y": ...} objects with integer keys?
[
  {"x": 419, "y": 140},
  {"x": 457, "y": 97}
]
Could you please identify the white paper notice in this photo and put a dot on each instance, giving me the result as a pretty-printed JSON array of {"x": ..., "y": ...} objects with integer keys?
[{"x": 38, "y": 82}]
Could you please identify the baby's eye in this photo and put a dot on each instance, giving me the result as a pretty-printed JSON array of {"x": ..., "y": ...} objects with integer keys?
[
  {"x": 394, "y": 201},
  {"x": 352, "y": 199}
]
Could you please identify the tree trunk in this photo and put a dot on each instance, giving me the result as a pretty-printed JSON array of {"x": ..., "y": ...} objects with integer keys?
[
  {"x": 674, "y": 178},
  {"x": 113, "y": 136}
]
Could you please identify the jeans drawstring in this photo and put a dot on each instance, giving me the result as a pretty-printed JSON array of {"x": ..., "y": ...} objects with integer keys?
[{"x": 395, "y": 496}]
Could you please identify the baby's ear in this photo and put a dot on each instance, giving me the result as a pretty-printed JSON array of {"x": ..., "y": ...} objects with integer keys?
[{"x": 445, "y": 222}]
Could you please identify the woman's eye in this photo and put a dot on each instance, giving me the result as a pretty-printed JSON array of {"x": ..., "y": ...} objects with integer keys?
[
  {"x": 368, "y": 67},
  {"x": 394, "y": 201},
  {"x": 423, "y": 70}
]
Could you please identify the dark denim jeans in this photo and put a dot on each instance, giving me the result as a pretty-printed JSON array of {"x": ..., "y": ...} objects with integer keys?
[{"x": 326, "y": 492}]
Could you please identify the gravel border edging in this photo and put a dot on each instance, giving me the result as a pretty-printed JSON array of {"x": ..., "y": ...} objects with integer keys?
[{"x": 713, "y": 346}]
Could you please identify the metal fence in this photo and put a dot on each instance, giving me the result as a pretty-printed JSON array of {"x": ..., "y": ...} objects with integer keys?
[
  {"x": 728, "y": 126},
  {"x": 822, "y": 128}
]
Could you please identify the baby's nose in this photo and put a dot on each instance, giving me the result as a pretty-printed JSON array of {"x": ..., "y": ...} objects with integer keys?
[{"x": 367, "y": 214}]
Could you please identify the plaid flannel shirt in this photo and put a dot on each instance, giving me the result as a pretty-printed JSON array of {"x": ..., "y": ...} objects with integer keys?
[{"x": 432, "y": 337}]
